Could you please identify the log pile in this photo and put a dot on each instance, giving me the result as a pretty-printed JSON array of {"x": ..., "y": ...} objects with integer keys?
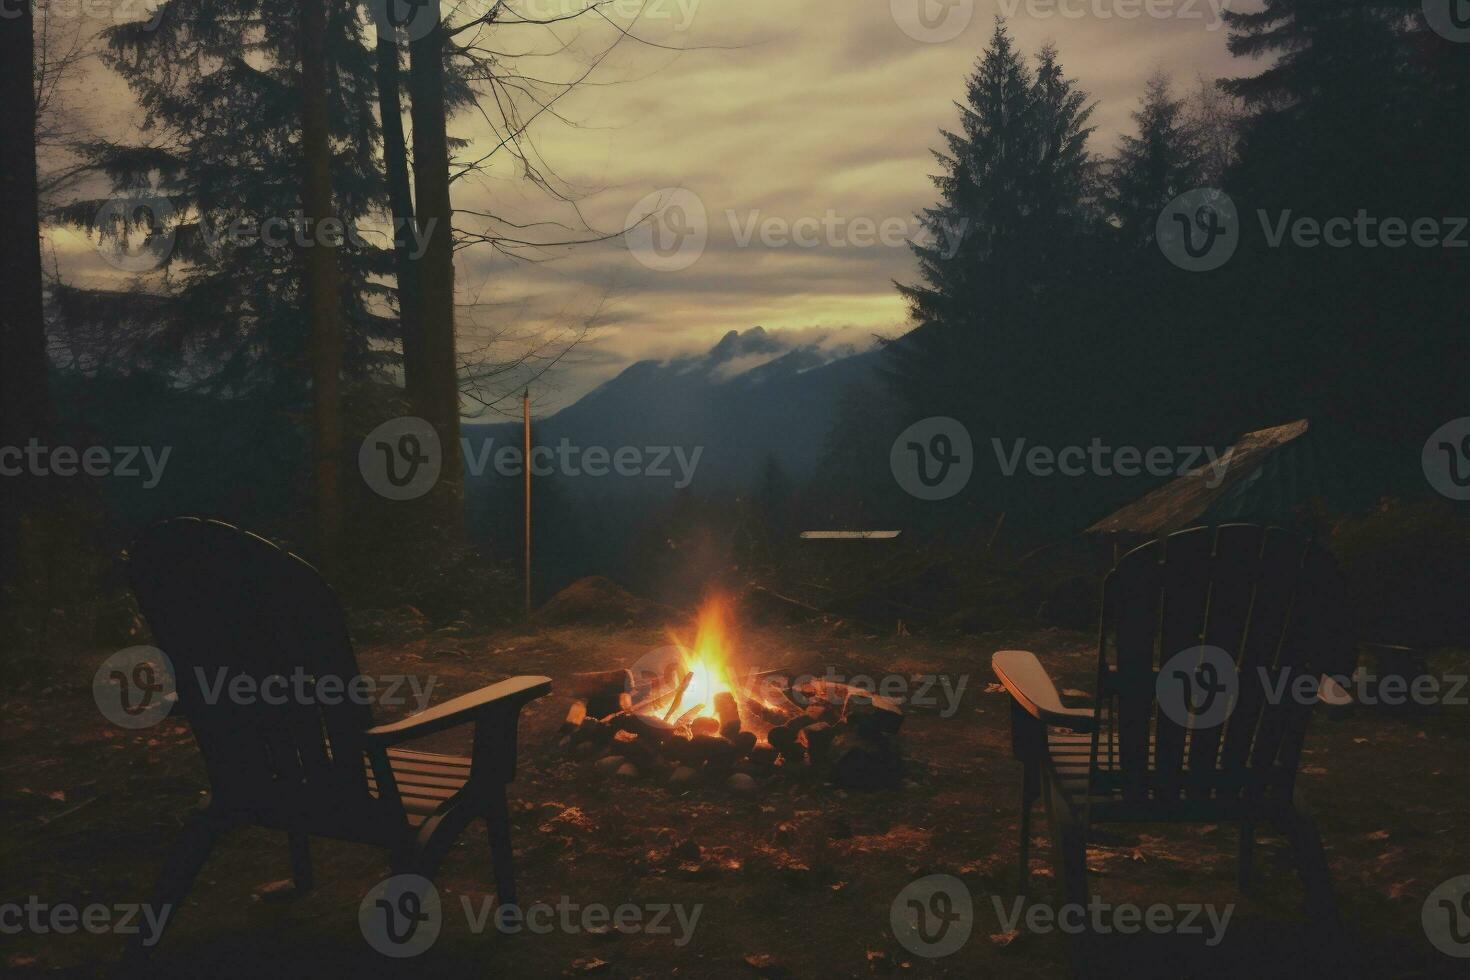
[{"x": 818, "y": 729}]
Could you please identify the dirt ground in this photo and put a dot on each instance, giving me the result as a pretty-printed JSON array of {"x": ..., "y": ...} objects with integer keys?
[{"x": 797, "y": 881}]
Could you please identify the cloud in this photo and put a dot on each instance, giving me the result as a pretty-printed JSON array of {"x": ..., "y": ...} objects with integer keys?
[{"x": 810, "y": 109}]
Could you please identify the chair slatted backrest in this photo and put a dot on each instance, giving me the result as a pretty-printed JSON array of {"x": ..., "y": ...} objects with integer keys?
[
  {"x": 224, "y": 605},
  {"x": 1268, "y": 598}
]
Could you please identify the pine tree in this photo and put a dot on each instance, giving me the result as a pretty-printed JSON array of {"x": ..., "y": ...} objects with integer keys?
[
  {"x": 1153, "y": 167},
  {"x": 1339, "y": 71},
  {"x": 219, "y": 84},
  {"x": 1006, "y": 241},
  {"x": 1064, "y": 185},
  {"x": 967, "y": 262}
]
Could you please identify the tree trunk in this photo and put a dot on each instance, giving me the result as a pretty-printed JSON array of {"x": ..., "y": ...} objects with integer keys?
[
  {"x": 322, "y": 281},
  {"x": 436, "y": 265},
  {"x": 25, "y": 401},
  {"x": 400, "y": 199}
]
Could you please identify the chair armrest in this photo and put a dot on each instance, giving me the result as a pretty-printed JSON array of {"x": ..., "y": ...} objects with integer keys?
[
  {"x": 509, "y": 694},
  {"x": 1031, "y": 688}
]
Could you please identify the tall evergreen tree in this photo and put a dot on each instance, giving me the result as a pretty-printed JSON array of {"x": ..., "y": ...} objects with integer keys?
[
  {"x": 25, "y": 400},
  {"x": 1011, "y": 228},
  {"x": 1152, "y": 167},
  {"x": 1339, "y": 72},
  {"x": 221, "y": 90},
  {"x": 968, "y": 263}
]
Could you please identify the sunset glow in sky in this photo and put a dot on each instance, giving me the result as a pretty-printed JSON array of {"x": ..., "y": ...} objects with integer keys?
[{"x": 804, "y": 130}]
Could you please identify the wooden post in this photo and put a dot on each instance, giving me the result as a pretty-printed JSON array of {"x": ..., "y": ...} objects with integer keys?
[{"x": 526, "y": 471}]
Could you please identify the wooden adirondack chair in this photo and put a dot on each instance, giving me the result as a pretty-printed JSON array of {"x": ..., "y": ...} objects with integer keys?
[
  {"x": 218, "y": 597},
  {"x": 1268, "y": 598}
]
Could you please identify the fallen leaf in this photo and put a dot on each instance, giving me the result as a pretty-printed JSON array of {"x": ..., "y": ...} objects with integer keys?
[{"x": 591, "y": 965}]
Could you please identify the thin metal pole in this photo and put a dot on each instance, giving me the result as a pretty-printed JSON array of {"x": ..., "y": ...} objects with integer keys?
[{"x": 526, "y": 470}]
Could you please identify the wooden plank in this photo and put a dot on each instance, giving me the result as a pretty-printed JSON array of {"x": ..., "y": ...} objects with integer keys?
[
  {"x": 1131, "y": 598},
  {"x": 1186, "y": 595}
]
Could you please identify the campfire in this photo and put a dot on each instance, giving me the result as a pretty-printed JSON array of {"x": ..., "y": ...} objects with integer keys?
[{"x": 695, "y": 712}]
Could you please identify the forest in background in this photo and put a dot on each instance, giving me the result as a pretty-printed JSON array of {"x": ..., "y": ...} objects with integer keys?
[{"x": 1043, "y": 308}]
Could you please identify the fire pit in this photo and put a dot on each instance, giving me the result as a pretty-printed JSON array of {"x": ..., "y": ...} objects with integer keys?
[{"x": 691, "y": 714}]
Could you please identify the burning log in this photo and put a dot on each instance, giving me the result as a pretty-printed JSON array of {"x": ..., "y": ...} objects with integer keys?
[
  {"x": 784, "y": 741},
  {"x": 744, "y": 742},
  {"x": 653, "y": 729},
  {"x": 600, "y": 689},
  {"x": 686, "y": 720},
  {"x": 705, "y": 725},
  {"x": 818, "y": 738},
  {"x": 763, "y": 755},
  {"x": 873, "y": 714},
  {"x": 796, "y": 724},
  {"x": 679, "y": 694},
  {"x": 592, "y": 730},
  {"x": 713, "y": 750},
  {"x": 728, "y": 710}
]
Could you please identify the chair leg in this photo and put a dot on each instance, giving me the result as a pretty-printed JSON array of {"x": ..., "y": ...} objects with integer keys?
[
  {"x": 497, "y": 821},
  {"x": 1030, "y": 790},
  {"x": 1247, "y": 853},
  {"x": 437, "y": 836},
  {"x": 301, "y": 862},
  {"x": 1335, "y": 946},
  {"x": 1301, "y": 833},
  {"x": 180, "y": 869},
  {"x": 1069, "y": 849}
]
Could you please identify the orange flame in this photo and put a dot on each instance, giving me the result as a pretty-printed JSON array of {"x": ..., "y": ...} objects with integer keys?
[{"x": 709, "y": 658}]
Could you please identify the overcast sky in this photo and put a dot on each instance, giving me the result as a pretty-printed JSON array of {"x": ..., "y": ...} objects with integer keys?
[{"x": 781, "y": 120}]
